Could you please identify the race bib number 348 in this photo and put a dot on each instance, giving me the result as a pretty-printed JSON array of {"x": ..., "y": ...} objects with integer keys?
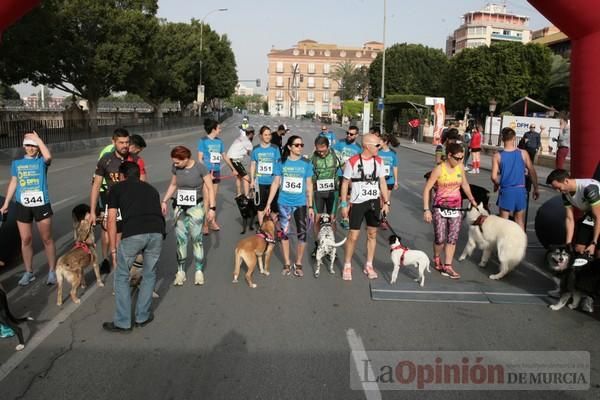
[
  {"x": 32, "y": 198},
  {"x": 292, "y": 184}
]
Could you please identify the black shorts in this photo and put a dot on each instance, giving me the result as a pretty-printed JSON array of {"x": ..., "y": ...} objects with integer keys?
[
  {"x": 477, "y": 150},
  {"x": 390, "y": 186},
  {"x": 584, "y": 234},
  {"x": 369, "y": 211},
  {"x": 216, "y": 177},
  {"x": 325, "y": 202},
  {"x": 28, "y": 214},
  {"x": 102, "y": 202},
  {"x": 263, "y": 191},
  {"x": 239, "y": 167}
]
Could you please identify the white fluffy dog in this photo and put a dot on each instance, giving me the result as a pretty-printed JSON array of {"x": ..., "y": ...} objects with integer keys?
[
  {"x": 327, "y": 245},
  {"x": 488, "y": 231},
  {"x": 402, "y": 256}
]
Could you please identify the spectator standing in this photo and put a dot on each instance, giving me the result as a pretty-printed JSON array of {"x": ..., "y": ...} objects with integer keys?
[
  {"x": 414, "y": 129},
  {"x": 475, "y": 147},
  {"x": 533, "y": 142},
  {"x": 562, "y": 143}
]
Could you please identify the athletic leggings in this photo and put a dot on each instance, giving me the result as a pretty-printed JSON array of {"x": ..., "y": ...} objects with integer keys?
[
  {"x": 445, "y": 229},
  {"x": 285, "y": 215},
  {"x": 189, "y": 225}
]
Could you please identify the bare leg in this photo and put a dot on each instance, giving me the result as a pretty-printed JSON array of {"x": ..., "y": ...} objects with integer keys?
[
  {"x": 520, "y": 218},
  {"x": 350, "y": 245},
  {"x": 300, "y": 248},
  {"x": 45, "y": 228},
  {"x": 437, "y": 249},
  {"x": 285, "y": 248},
  {"x": 238, "y": 186},
  {"x": 449, "y": 253},
  {"x": 504, "y": 214},
  {"x": 371, "y": 243},
  {"x": 25, "y": 232}
]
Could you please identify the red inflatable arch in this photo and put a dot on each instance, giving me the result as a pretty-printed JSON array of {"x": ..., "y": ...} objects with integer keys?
[
  {"x": 580, "y": 21},
  {"x": 12, "y": 10}
]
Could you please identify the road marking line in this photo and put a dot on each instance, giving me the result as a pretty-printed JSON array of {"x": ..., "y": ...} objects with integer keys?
[
  {"x": 423, "y": 291},
  {"x": 359, "y": 354},
  {"x": 56, "y": 205},
  {"x": 46, "y": 331},
  {"x": 438, "y": 301}
]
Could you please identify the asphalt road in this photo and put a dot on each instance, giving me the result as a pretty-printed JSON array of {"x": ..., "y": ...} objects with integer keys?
[{"x": 290, "y": 338}]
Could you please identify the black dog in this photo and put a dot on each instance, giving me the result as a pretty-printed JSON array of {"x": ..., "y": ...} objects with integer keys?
[
  {"x": 247, "y": 211},
  {"x": 79, "y": 212},
  {"x": 6, "y": 318}
]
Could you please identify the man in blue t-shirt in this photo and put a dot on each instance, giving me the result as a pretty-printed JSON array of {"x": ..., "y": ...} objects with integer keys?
[
  {"x": 294, "y": 177},
  {"x": 264, "y": 161},
  {"x": 347, "y": 147},
  {"x": 329, "y": 135},
  {"x": 211, "y": 151}
]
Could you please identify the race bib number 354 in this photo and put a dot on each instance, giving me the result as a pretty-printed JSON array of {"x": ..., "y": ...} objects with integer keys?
[
  {"x": 32, "y": 198},
  {"x": 292, "y": 185},
  {"x": 325, "y": 185}
]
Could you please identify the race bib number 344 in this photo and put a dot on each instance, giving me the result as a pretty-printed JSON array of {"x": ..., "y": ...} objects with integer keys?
[
  {"x": 292, "y": 184},
  {"x": 32, "y": 198}
]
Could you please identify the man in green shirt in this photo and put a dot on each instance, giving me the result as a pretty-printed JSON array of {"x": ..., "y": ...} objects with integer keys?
[{"x": 325, "y": 165}]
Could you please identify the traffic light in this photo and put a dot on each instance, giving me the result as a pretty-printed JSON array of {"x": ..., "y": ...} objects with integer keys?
[{"x": 258, "y": 83}]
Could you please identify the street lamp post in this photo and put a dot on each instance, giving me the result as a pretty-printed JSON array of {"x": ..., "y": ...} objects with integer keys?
[
  {"x": 200, "y": 91},
  {"x": 383, "y": 69},
  {"x": 492, "y": 108}
]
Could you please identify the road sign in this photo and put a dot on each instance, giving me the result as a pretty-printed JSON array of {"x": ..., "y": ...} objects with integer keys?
[
  {"x": 379, "y": 104},
  {"x": 366, "y": 116}
]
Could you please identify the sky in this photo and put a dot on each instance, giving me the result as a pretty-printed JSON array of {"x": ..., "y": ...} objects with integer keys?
[{"x": 254, "y": 27}]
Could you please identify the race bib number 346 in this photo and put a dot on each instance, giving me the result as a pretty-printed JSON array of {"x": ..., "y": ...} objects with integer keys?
[
  {"x": 32, "y": 198},
  {"x": 292, "y": 184},
  {"x": 186, "y": 197}
]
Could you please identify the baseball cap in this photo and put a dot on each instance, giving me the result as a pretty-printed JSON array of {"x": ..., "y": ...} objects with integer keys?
[
  {"x": 282, "y": 127},
  {"x": 30, "y": 142},
  {"x": 250, "y": 129}
]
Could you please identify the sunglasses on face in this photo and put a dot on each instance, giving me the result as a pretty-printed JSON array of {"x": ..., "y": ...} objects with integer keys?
[
  {"x": 378, "y": 145},
  {"x": 457, "y": 158},
  {"x": 298, "y": 144},
  {"x": 351, "y": 134}
]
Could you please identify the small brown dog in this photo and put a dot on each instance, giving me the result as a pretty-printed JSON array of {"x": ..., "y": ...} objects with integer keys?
[
  {"x": 71, "y": 265},
  {"x": 252, "y": 249}
]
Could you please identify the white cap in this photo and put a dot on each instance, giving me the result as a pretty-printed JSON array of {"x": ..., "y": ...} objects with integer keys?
[{"x": 30, "y": 142}]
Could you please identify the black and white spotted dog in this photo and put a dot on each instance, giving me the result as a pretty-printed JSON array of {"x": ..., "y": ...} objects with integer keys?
[{"x": 327, "y": 245}]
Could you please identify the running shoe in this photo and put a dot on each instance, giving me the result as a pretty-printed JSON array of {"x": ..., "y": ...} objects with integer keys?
[
  {"x": 347, "y": 274},
  {"x": 370, "y": 272},
  {"x": 26, "y": 279},
  {"x": 6, "y": 332},
  {"x": 51, "y": 278},
  {"x": 587, "y": 304},
  {"x": 450, "y": 272}
]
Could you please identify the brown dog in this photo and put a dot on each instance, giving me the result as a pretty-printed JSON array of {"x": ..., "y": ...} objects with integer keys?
[
  {"x": 252, "y": 249},
  {"x": 70, "y": 266}
]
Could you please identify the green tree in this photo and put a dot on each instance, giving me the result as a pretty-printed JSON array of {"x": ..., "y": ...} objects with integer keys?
[
  {"x": 409, "y": 69},
  {"x": 88, "y": 48},
  {"x": 342, "y": 74},
  {"x": 559, "y": 83},
  {"x": 8, "y": 92},
  {"x": 504, "y": 71}
]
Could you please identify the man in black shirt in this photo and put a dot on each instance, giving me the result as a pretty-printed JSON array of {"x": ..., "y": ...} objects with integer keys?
[
  {"x": 143, "y": 229},
  {"x": 277, "y": 137}
]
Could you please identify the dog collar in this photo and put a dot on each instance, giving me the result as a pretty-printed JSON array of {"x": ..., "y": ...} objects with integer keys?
[
  {"x": 479, "y": 222},
  {"x": 83, "y": 246},
  {"x": 264, "y": 235}
]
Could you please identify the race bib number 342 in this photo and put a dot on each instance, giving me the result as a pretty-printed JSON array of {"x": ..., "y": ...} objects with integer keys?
[
  {"x": 292, "y": 184},
  {"x": 32, "y": 198}
]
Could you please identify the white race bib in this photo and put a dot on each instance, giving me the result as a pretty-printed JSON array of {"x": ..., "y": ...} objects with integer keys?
[
  {"x": 215, "y": 158},
  {"x": 292, "y": 184},
  {"x": 186, "y": 197},
  {"x": 32, "y": 198},
  {"x": 449, "y": 213},
  {"x": 369, "y": 190},
  {"x": 119, "y": 217},
  {"x": 325, "y": 185},
  {"x": 386, "y": 170},
  {"x": 265, "y": 168},
  {"x": 588, "y": 220}
]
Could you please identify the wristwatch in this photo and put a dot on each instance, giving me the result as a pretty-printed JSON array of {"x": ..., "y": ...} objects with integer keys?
[
  {"x": 212, "y": 208},
  {"x": 387, "y": 202}
]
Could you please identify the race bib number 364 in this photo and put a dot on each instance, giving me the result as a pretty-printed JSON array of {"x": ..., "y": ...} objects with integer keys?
[
  {"x": 292, "y": 184},
  {"x": 32, "y": 198}
]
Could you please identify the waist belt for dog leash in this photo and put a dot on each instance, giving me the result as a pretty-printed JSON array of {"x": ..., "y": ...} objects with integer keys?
[
  {"x": 479, "y": 222},
  {"x": 83, "y": 246},
  {"x": 404, "y": 250}
]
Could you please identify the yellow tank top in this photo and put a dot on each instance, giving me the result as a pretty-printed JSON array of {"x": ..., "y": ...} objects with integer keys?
[{"x": 448, "y": 186}]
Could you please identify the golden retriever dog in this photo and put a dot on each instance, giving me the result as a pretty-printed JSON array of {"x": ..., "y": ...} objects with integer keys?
[
  {"x": 252, "y": 249},
  {"x": 71, "y": 265}
]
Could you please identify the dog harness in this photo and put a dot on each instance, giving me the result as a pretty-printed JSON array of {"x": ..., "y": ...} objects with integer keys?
[
  {"x": 404, "y": 250},
  {"x": 83, "y": 246},
  {"x": 268, "y": 239},
  {"x": 479, "y": 222}
]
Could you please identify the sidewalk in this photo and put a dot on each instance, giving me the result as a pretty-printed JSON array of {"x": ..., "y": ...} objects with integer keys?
[{"x": 486, "y": 160}]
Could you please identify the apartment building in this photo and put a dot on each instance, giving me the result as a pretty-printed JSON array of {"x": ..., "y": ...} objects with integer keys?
[
  {"x": 301, "y": 79},
  {"x": 491, "y": 24}
]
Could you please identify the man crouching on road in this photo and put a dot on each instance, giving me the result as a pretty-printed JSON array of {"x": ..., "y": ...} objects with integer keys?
[{"x": 143, "y": 231}]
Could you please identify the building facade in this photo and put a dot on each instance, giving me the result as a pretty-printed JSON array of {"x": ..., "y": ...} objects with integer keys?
[
  {"x": 301, "y": 79},
  {"x": 487, "y": 26},
  {"x": 552, "y": 37},
  {"x": 242, "y": 90}
]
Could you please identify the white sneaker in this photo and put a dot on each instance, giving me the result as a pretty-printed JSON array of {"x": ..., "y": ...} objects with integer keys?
[
  {"x": 199, "y": 278},
  {"x": 587, "y": 304},
  {"x": 472, "y": 171}
]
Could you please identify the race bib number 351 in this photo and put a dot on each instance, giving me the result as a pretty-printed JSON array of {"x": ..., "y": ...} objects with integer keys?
[
  {"x": 32, "y": 198},
  {"x": 292, "y": 184},
  {"x": 265, "y": 168},
  {"x": 215, "y": 158}
]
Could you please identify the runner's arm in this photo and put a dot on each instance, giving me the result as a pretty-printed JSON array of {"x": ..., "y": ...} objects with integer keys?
[
  {"x": 435, "y": 174},
  {"x": 273, "y": 190},
  {"x": 43, "y": 148},
  {"x": 95, "y": 191},
  {"x": 10, "y": 192},
  {"x": 495, "y": 169},
  {"x": 309, "y": 192},
  {"x": 569, "y": 224},
  {"x": 171, "y": 189},
  {"x": 532, "y": 173},
  {"x": 467, "y": 189},
  {"x": 252, "y": 172}
]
